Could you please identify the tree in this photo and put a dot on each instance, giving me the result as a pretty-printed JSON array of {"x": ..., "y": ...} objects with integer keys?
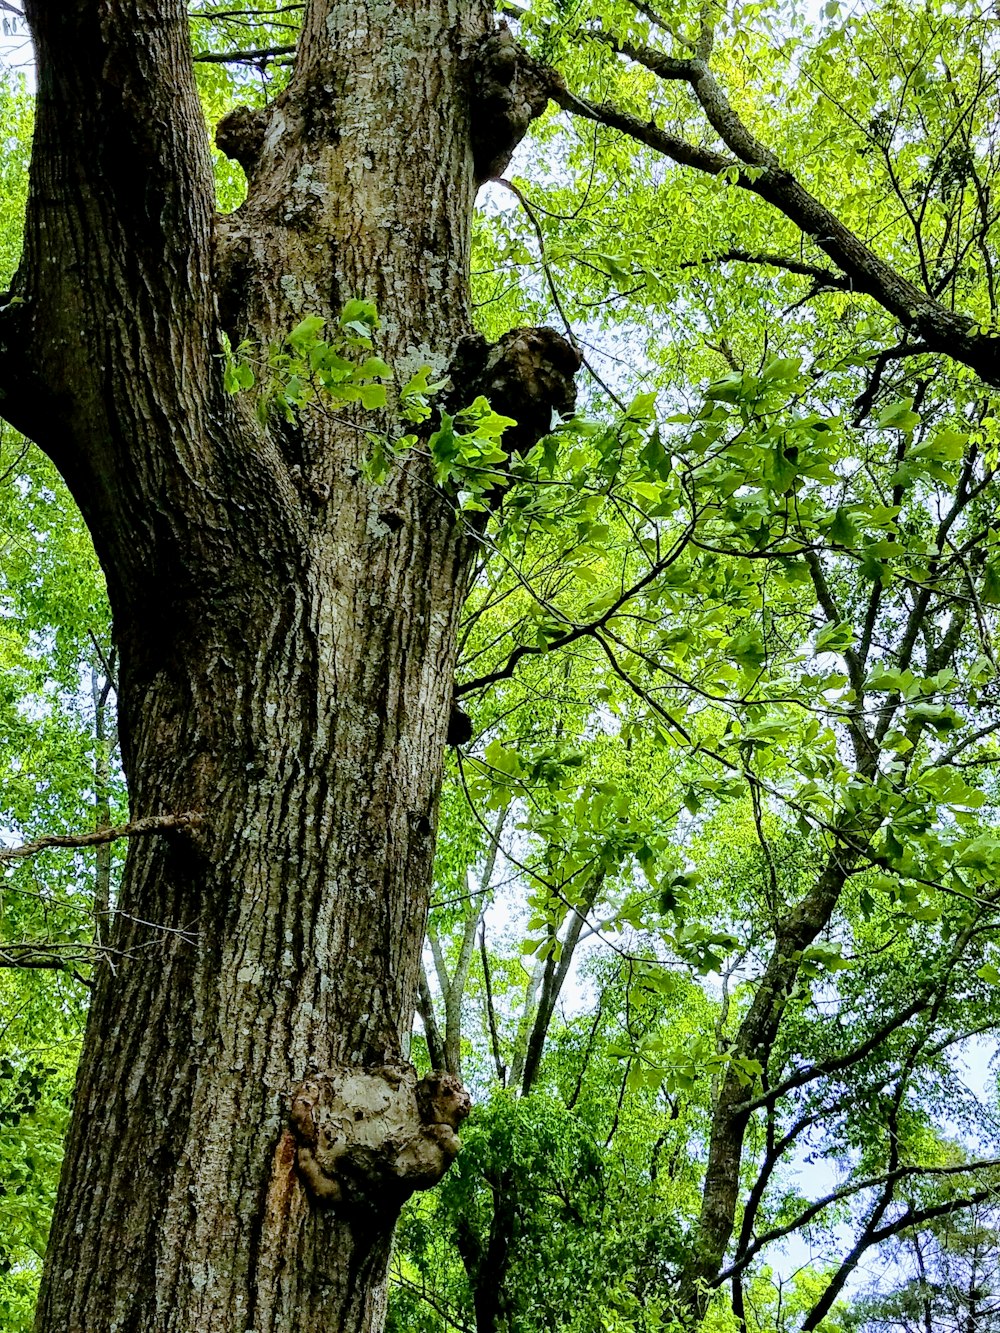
[
  {"x": 949, "y": 1278},
  {"x": 285, "y": 629}
]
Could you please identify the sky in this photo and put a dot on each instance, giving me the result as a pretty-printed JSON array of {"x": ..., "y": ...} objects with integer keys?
[{"x": 15, "y": 44}]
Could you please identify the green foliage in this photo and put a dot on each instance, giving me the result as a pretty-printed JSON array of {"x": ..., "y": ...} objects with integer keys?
[
  {"x": 305, "y": 369},
  {"x": 16, "y": 116}
]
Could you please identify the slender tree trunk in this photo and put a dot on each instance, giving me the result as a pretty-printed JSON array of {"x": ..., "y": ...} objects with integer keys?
[
  {"x": 553, "y": 981},
  {"x": 101, "y": 687},
  {"x": 446, "y": 1053},
  {"x": 754, "y": 1041},
  {"x": 486, "y": 1261},
  {"x": 286, "y": 636}
]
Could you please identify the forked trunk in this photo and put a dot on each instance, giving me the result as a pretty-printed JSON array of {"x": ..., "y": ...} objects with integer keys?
[{"x": 286, "y": 635}]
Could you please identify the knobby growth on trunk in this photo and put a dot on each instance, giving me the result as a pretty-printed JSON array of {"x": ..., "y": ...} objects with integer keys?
[{"x": 286, "y": 653}]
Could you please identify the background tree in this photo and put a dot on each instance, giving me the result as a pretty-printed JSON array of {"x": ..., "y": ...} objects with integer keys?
[{"x": 950, "y": 1279}]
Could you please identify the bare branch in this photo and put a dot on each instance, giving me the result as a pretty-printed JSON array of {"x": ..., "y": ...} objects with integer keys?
[
  {"x": 243, "y": 57},
  {"x": 432, "y": 1033},
  {"x": 846, "y": 1192},
  {"x": 821, "y": 276},
  {"x": 263, "y": 16},
  {"x": 48, "y": 957},
  {"x": 554, "y": 979},
  {"x": 136, "y": 829},
  {"x": 836, "y": 1063},
  {"x": 577, "y": 631}
]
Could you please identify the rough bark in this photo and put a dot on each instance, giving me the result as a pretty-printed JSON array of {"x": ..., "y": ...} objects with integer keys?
[
  {"x": 285, "y": 630},
  {"x": 100, "y": 691}
]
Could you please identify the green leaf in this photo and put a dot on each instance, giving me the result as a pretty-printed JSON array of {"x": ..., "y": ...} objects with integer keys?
[
  {"x": 374, "y": 367},
  {"x": 782, "y": 368},
  {"x": 306, "y": 332},
  {"x": 842, "y": 529},
  {"x": 360, "y": 317},
  {"x": 835, "y": 636},
  {"x": 899, "y": 416},
  {"x": 642, "y": 407},
  {"x": 989, "y": 592}
]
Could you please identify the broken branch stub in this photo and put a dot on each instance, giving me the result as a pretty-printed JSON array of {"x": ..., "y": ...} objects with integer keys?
[
  {"x": 526, "y": 375},
  {"x": 510, "y": 89},
  {"x": 367, "y": 1138},
  {"x": 240, "y": 136}
]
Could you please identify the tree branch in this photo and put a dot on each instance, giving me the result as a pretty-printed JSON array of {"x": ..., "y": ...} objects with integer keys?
[
  {"x": 578, "y": 631},
  {"x": 836, "y": 1063},
  {"x": 138, "y": 828},
  {"x": 825, "y": 276},
  {"x": 491, "y": 1016},
  {"x": 456, "y": 987},
  {"x": 554, "y": 980},
  {"x": 757, "y": 169},
  {"x": 253, "y": 57},
  {"x": 846, "y": 1192}
]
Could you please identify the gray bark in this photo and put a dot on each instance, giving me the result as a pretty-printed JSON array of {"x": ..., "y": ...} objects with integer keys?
[{"x": 285, "y": 630}]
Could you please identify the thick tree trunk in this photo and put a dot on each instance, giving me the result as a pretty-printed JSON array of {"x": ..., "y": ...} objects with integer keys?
[
  {"x": 286, "y": 637},
  {"x": 287, "y": 944}
]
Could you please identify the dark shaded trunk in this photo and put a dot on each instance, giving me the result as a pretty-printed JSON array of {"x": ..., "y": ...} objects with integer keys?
[{"x": 486, "y": 1263}]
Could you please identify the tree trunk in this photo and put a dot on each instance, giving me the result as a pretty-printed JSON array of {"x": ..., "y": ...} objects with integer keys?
[
  {"x": 754, "y": 1040},
  {"x": 285, "y": 630}
]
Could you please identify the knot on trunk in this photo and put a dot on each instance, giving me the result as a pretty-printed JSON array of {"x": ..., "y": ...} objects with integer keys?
[
  {"x": 367, "y": 1138},
  {"x": 527, "y": 375},
  {"x": 240, "y": 135},
  {"x": 460, "y": 728},
  {"x": 509, "y": 90}
]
